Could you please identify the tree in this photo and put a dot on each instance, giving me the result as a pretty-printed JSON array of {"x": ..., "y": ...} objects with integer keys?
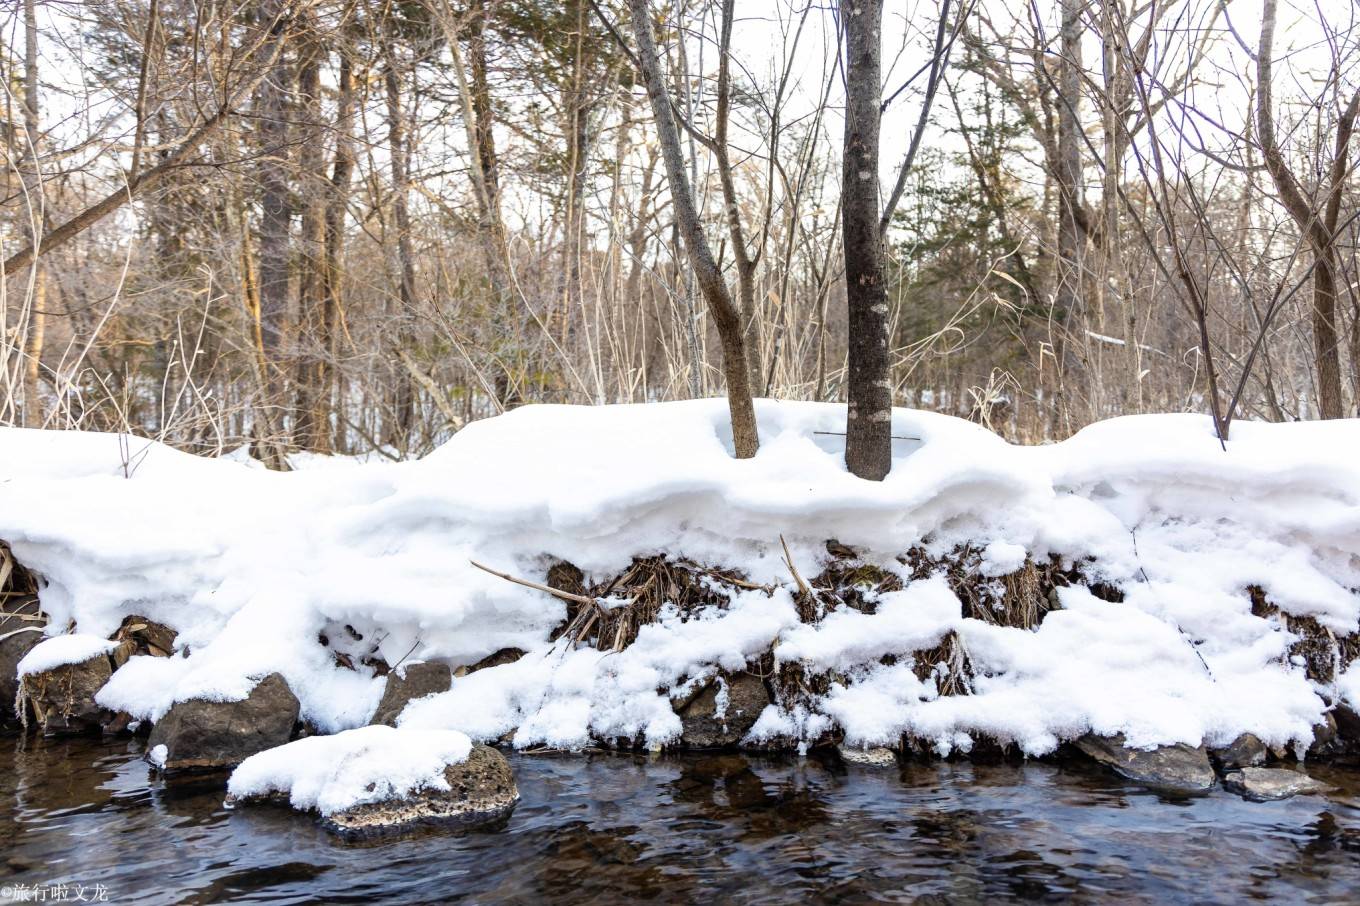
[
  {"x": 717, "y": 296},
  {"x": 1317, "y": 220},
  {"x": 36, "y": 204},
  {"x": 868, "y": 429}
]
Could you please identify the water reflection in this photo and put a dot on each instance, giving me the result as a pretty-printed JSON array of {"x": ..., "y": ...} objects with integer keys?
[{"x": 716, "y": 828}]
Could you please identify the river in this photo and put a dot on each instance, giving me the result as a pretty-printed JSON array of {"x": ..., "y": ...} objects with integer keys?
[{"x": 712, "y": 829}]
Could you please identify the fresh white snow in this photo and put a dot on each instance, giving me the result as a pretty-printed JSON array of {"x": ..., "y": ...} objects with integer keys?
[
  {"x": 58, "y": 651},
  {"x": 367, "y": 764},
  {"x": 251, "y": 566}
]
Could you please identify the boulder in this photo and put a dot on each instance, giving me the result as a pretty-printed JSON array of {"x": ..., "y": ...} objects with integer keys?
[
  {"x": 21, "y": 626},
  {"x": 481, "y": 789},
  {"x": 724, "y": 712},
  {"x": 1324, "y": 737},
  {"x": 12, "y": 651},
  {"x": 1267, "y": 784},
  {"x": 408, "y": 683},
  {"x": 1347, "y": 725},
  {"x": 199, "y": 735},
  {"x": 1245, "y": 751},
  {"x": 63, "y": 698},
  {"x": 1174, "y": 769}
]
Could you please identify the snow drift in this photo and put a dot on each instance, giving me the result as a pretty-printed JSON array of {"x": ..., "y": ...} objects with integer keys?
[{"x": 319, "y": 574}]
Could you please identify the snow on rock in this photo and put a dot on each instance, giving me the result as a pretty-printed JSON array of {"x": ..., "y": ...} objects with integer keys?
[
  {"x": 253, "y": 568},
  {"x": 355, "y": 767},
  {"x": 58, "y": 651}
]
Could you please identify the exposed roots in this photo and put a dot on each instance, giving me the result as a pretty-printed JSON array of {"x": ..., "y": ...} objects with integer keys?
[
  {"x": 1325, "y": 655},
  {"x": 849, "y": 581},
  {"x": 1020, "y": 599},
  {"x": 618, "y": 608},
  {"x": 949, "y": 664}
]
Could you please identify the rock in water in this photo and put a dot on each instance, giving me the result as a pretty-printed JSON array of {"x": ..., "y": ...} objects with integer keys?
[
  {"x": 21, "y": 626},
  {"x": 1267, "y": 784},
  {"x": 12, "y": 651},
  {"x": 724, "y": 712},
  {"x": 206, "y": 735},
  {"x": 63, "y": 697},
  {"x": 481, "y": 788},
  {"x": 408, "y": 683},
  {"x": 1245, "y": 751},
  {"x": 875, "y": 756},
  {"x": 1174, "y": 769}
]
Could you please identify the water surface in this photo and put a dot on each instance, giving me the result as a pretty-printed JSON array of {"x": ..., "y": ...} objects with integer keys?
[{"x": 714, "y": 829}]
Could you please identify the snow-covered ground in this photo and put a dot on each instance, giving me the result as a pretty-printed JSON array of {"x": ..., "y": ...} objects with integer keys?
[{"x": 250, "y": 567}]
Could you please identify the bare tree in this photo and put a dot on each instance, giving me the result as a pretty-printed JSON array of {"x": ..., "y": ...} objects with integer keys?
[
  {"x": 1316, "y": 219},
  {"x": 717, "y": 296},
  {"x": 868, "y": 430}
]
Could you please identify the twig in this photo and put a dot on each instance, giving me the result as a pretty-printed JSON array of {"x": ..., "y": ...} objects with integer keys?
[
  {"x": 893, "y": 436},
  {"x": 555, "y": 592},
  {"x": 803, "y": 588}
]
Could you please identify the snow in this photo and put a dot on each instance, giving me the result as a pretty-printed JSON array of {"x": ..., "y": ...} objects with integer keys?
[
  {"x": 252, "y": 567},
  {"x": 61, "y": 650},
  {"x": 368, "y": 764}
]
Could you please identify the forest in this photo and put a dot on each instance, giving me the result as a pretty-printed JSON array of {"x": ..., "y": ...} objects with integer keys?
[
  {"x": 684, "y": 451},
  {"x": 355, "y": 226}
]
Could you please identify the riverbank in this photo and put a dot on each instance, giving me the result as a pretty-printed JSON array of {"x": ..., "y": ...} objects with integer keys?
[{"x": 568, "y": 577}]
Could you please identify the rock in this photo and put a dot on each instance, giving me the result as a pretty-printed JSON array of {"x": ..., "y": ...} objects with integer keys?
[
  {"x": 12, "y": 651},
  {"x": 876, "y": 756},
  {"x": 1267, "y": 784},
  {"x": 63, "y": 697},
  {"x": 724, "y": 712},
  {"x": 140, "y": 636},
  {"x": 1175, "y": 769},
  {"x": 481, "y": 788},
  {"x": 504, "y": 656},
  {"x": 407, "y": 683},
  {"x": 206, "y": 735},
  {"x": 1324, "y": 736},
  {"x": 1245, "y": 751},
  {"x": 21, "y": 626},
  {"x": 1347, "y": 725}
]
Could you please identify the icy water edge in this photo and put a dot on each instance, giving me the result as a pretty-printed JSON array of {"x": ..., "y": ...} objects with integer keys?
[{"x": 714, "y": 829}]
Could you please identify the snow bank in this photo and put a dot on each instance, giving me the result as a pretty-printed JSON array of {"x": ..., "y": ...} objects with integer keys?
[
  {"x": 255, "y": 568},
  {"x": 61, "y": 650},
  {"x": 368, "y": 764}
]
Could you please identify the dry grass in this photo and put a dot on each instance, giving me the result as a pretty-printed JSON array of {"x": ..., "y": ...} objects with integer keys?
[{"x": 609, "y": 614}]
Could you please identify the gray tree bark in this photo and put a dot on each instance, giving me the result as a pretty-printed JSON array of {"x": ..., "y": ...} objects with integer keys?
[
  {"x": 745, "y": 435},
  {"x": 868, "y": 431}
]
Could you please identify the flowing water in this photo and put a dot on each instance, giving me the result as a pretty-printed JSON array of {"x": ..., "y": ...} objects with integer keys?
[{"x": 711, "y": 829}]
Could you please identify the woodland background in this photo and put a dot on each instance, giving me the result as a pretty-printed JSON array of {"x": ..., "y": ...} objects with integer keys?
[{"x": 354, "y": 226}]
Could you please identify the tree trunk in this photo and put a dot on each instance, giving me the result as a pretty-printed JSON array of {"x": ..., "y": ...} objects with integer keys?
[
  {"x": 275, "y": 246},
  {"x": 868, "y": 432},
  {"x": 1312, "y": 223},
  {"x": 311, "y": 278},
  {"x": 398, "y": 433},
  {"x": 323, "y": 379},
  {"x": 36, "y": 210},
  {"x": 1071, "y": 214},
  {"x": 478, "y": 118},
  {"x": 745, "y": 435}
]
